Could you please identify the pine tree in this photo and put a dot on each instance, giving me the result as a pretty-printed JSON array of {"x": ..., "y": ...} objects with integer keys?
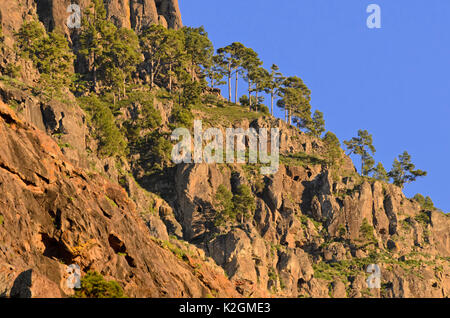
[
  {"x": 96, "y": 38},
  {"x": 362, "y": 146},
  {"x": 272, "y": 87},
  {"x": 198, "y": 47},
  {"x": 224, "y": 204},
  {"x": 380, "y": 173},
  {"x": 50, "y": 54},
  {"x": 29, "y": 37},
  {"x": 403, "y": 171},
  {"x": 251, "y": 63},
  {"x": 174, "y": 56},
  {"x": 215, "y": 72},
  {"x": 425, "y": 202},
  {"x": 289, "y": 98},
  {"x": 153, "y": 41},
  {"x": 232, "y": 59},
  {"x": 317, "y": 125},
  {"x": 260, "y": 77},
  {"x": 121, "y": 60},
  {"x": 243, "y": 202},
  {"x": 295, "y": 101},
  {"x": 112, "y": 142},
  {"x": 333, "y": 146}
]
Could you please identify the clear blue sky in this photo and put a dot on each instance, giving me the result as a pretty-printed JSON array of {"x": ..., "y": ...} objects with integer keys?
[{"x": 393, "y": 81}]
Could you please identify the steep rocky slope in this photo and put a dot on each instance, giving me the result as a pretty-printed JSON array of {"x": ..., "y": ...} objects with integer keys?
[
  {"x": 313, "y": 233},
  {"x": 54, "y": 214}
]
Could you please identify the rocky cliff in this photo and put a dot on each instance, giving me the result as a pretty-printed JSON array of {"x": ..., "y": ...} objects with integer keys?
[
  {"x": 313, "y": 233},
  {"x": 136, "y": 14},
  {"x": 54, "y": 214}
]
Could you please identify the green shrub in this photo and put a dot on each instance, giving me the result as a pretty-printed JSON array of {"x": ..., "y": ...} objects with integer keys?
[
  {"x": 12, "y": 70},
  {"x": 366, "y": 230},
  {"x": 224, "y": 205},
  {"x": 111, "y": 140},
  {"x": 232, "y": 206},
  {"x": 182, "y": 117},
  {"x": 425, "y": 202},
  {"x": 243, "y": 202},
  {"x": 333, "y": 149},
  {"x": 93, "y": 285},
  {"x": 155, "y": 152},
  {"x": 341, "y": 230},
  {"x": 423, "y": 218},
  {"x": 50, "y": 54}
]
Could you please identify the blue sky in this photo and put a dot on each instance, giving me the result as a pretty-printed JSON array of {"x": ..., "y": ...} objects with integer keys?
[{"x": 393, "y": 81}]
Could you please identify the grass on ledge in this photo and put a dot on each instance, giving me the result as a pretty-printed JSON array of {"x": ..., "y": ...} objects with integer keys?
[{"x": 229, "y": 114}]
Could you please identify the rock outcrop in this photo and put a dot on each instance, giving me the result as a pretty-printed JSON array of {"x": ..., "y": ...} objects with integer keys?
[
  {"x": 305, "y": 219},
  {"x": 54, "y": 214},
  {"x": 136, "y": 14}
]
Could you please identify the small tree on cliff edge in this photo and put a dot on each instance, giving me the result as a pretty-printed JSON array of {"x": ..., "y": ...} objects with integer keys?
[
  {"x": 317, "y": 125},
  {"x": 380, "y": 174},
  {"x": 403, "y": 171},
  {"x": 362, "y": 146},
  {"x": 199, "y": 49},
  {"x": 333, "y": 146},
  {"x": 273, "y": 85}
]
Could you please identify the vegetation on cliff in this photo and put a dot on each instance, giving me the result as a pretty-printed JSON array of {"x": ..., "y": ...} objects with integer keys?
[{"x": 303, "y": 231}]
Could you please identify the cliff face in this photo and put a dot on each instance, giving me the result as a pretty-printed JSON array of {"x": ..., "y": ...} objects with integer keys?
[
  {"x": 307, "y": 236},
  {"x": 313, "y": 232},
  {"x": 136, "y": 14},
  {"x": 54, "y": 214}
]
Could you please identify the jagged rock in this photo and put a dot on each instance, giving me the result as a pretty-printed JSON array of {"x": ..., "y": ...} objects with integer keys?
[
  {"x": 196, "y": 186},
  {"x": 135, "y": 14},
  {"x": 54, "y": 213},
  {"x": 338, "y": 289},
  {"x": 335, "y": 252}
]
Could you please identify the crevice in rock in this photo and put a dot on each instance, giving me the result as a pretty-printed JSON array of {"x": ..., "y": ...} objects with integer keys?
[
  {"x": 44, "y": 12},
  {"x": 119, "y": 248},
  {"x": 11, "y": 171},
  {"x": 116, "y": 244},
  {"x": 56, "y": 249},
  {"x": 7, "y": 118}
]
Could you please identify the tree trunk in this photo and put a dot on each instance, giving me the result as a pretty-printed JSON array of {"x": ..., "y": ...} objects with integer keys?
[
  {"x": 271, "y": 103},
  {"x": 94, "y": 70},
  {"x": 124, "y": 89},
  {"x": 170, "y": 77},
  {"x": 152, "y": 74},
  {"x": 193, "y": 68},
  {"x": 250, "y": 94},
  {"x": 229, "y": 84},
  {"x": 236, "y": 88}
]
